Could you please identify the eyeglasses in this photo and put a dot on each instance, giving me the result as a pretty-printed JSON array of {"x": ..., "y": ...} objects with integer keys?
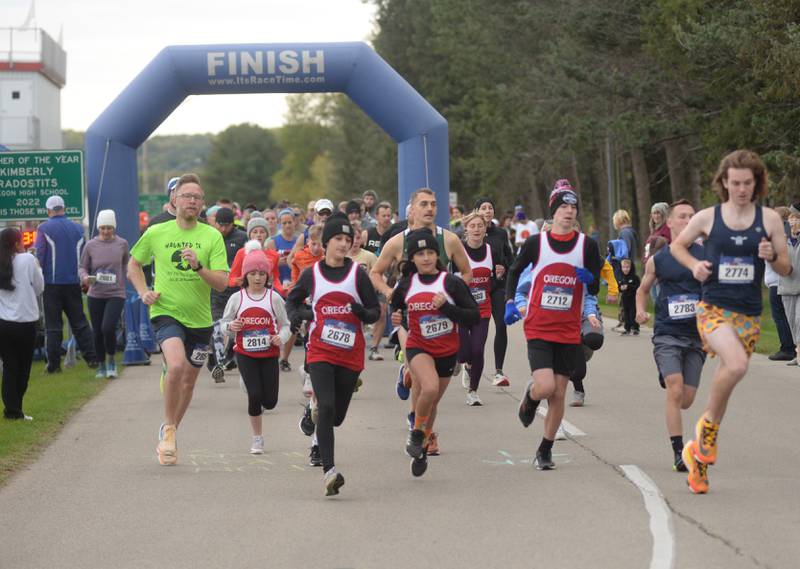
[{"x": 191, "y": 197}]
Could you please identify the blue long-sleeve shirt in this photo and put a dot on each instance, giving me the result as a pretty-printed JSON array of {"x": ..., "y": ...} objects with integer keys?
[{"x": 59, "y": 244}]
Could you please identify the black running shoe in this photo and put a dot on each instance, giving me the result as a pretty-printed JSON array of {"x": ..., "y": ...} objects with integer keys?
[
  {"x": 419, "y": 465},
  {"x": 527, "y": 406},
  {"x": 314, "y": 458},
  {"x": 285, "y": 365},
  {"x": 306, "y": 422},
  {"x": 414, "y": 445},
  {"x": 678, "y": 465},
  {"x": 544, "y": 460},
  {"x": 661, "y": 381}
]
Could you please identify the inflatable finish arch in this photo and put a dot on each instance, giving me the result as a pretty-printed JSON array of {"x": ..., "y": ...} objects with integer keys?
[{"x": 178, "y": 71}]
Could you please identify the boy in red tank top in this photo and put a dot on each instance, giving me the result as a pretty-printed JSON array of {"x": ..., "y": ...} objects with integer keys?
[{"x": 563, "y": 261}]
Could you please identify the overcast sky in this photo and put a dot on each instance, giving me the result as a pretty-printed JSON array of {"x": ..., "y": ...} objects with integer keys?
[{"x": 108, "y": 42}]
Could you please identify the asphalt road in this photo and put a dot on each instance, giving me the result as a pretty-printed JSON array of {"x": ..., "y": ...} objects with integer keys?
[{"x": 97, "y": 497}]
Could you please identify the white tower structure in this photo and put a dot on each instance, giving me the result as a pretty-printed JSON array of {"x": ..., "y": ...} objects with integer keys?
[{"x": 33, "y": 69}]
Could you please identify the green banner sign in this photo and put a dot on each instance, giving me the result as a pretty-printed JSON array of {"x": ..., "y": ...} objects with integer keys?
[
  {"x": 27, "y": 179},
  {"x": 152, "y": 203}
]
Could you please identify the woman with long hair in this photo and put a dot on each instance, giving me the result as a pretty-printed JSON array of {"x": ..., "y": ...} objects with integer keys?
[{"x": 21, "y": 282}]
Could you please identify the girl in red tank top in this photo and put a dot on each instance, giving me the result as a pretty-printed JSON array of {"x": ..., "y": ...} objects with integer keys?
[
  {"x": 256, "y": 316},
  {"x": 436, "y": 303},
  {"x": 473, "y": 338}
]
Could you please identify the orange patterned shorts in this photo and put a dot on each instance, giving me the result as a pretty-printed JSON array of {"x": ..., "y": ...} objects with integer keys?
[{"x": 710, "y": 317}]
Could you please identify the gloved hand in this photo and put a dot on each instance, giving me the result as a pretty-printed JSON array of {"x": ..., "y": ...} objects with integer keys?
[
  {"x": 358, "y": 310},
  {"x": 584, "y": 275},
  {"x": 512, "y": 314},
  {"x": 294, "y": 325}
]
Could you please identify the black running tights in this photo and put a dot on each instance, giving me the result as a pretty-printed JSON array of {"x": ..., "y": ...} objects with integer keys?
[
  {"x": 472, "y": 340},
  {"x": 333, "y": 388},
  {"x": 500, "y": 334},
  {"x": 260, "y": 377}
]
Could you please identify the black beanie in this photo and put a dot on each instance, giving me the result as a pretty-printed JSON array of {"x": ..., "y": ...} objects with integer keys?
[
  {"x": 335, "y": 225},
  {"x": 420, "y": 239},
  {"x": 482, "y": 201}
]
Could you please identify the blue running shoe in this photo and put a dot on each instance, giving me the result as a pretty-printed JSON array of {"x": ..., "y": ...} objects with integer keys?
[{"x": 402, "y": 391}]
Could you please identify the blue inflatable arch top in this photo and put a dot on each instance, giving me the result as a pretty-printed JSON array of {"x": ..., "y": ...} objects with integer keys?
[{"x": 178, "y": 71}]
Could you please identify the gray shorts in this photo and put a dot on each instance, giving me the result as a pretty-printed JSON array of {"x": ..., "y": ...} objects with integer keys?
[
  {"x": 679, "y": 354},
  {"x": 791, "y": 306}
]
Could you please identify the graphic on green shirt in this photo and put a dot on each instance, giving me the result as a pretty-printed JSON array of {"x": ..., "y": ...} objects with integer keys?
[{"x": 184, "y": 295}]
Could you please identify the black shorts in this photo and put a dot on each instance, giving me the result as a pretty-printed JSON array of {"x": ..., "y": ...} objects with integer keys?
[
  {"x": 195, "y": 340},
  {"x": 444, "y": 366},
  {"x": 561, "y": 358}
]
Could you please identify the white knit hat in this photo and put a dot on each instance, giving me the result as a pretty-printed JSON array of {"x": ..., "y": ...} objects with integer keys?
[{"x": 106, "y": 217}]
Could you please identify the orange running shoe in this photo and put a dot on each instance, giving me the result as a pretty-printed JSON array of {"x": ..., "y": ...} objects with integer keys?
[
  {"x": 167, "y": 448},
  {"x": 433, "y": 445},
  {"x": 705, "y": 449},
  {"x": 697, "y": 479}
]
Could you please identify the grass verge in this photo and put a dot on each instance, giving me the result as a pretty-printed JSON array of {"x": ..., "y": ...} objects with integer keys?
[{"x": 51, "y": 400}]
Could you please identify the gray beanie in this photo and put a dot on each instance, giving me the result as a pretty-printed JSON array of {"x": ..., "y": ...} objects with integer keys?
[{"x": 257, "y": 222}]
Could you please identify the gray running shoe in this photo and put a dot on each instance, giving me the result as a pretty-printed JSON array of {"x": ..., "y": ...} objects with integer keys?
[
  {"x": 333, "y": 481},
  {"x": 257, "y": 446},
  {"x": 578, "y": 399}
]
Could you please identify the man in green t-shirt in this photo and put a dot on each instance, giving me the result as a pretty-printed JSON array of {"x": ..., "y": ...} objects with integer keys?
[{"x": 190, "y": 260}]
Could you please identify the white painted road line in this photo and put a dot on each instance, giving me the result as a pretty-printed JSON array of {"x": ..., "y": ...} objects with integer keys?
[
  {"x": 569, "y": 428},
  {"x": 660, "y": 518}
]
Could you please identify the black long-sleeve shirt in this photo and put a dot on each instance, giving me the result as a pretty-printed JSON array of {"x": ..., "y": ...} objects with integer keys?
[
  {"x": 465, "y": 310},
  {"x": 529, "y": 253},
  {"x": 498, "y": 240},
  {"x": 296, "y": 307}
]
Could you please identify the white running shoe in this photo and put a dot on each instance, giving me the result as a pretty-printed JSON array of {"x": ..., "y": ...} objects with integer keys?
[
  {"x": 465, "y": 378},
  {"x": 473, "y": 400},
  {"x": 561, "y": 434},
  {"x": 457, "y": 369},
  {"x": 500, "y": 380},
  {"x": 578, "y": 399},
  {"x": 257, "y": 446}
]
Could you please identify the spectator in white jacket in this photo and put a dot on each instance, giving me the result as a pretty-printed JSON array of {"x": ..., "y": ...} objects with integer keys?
[{"x": 21, "y": 282}]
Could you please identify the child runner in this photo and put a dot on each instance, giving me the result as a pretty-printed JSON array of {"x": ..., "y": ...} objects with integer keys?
[
  {"x": 740, "y": 237},
  {"x": 257, "y": 317},
  {"x": 436, "y": 302},
  {"x": 628, "y": 283},
  {"x": 676, "y": 342},
  {"x": 481, "y": 255},
  {"x": 564, "y": 263},
  {"x": 300, "y": 261},
  {"x": 342, "y": 298},
  {"x": 283, "y": 243}
]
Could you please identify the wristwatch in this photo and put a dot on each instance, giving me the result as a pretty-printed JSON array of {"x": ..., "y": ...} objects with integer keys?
[{"x": 199, "y": 266}]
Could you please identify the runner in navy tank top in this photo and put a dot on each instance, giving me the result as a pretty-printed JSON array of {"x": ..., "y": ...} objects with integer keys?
[
  {"x": 740, "y": 237},
  {"x": 564, "y": 263},
  {"x": 342, "y": 299},
  {"x": 677, "y": 348}
]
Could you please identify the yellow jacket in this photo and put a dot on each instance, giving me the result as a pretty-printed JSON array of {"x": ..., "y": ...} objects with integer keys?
[{"x": 607, "y": 274}]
